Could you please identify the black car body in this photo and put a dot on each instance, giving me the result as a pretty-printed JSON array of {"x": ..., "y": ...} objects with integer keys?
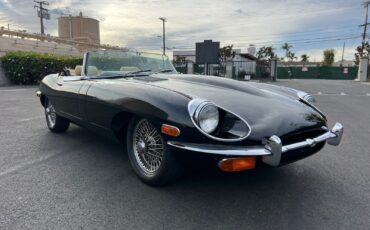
[{"x": 274, "y": 125}]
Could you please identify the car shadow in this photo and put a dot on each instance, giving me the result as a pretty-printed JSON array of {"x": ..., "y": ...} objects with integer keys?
[{"x": 205, "y": 194}]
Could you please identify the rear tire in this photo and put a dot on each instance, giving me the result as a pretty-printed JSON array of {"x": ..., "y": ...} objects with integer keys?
[
  {"x": 149, "y": 155},
  {"x": 55, "y": 123}
]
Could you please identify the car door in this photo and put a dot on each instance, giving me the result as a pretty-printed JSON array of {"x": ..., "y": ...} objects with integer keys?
[
  {"x": 71, "y": 99},
  {"x": 99, "y": 108}
]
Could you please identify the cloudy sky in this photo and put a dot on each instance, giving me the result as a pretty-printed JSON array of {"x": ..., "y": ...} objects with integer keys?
[{"x": 309, "y": 25}]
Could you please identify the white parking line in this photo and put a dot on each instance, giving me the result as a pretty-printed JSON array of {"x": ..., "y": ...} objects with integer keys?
[
  {"x": 12, "y": 90},
  {"x": 343, "y": 94},
  {"x": 25, "y": 164},
  {"x": 30, "y": 119},
  {"x": 319, "y": 93}
]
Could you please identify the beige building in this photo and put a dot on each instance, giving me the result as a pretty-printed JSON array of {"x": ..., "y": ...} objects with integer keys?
[{"x": 79, "y": 28}]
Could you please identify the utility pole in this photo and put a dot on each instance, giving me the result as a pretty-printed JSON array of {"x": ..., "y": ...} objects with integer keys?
[
  {"x": 42, "y": 13},
  {"x": 164, "y": 20},
  {"x": 344, "y": 46},
  {"x": 366, "y": 5}
]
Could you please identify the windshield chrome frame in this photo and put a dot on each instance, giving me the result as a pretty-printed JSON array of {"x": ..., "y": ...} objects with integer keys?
[{"x": 86, "y": 56}]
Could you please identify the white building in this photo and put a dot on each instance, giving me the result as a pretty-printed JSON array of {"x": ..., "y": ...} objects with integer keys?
[{"x": 241, "y": 62}]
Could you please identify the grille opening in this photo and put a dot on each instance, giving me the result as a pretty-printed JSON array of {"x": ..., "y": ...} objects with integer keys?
[{"x": 297, "y": 154}]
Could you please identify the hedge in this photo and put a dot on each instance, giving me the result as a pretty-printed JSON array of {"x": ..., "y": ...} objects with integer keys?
[{"x": 27, "y": 68}]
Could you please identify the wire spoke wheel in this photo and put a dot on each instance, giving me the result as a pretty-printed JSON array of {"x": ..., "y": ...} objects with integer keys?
[
  {"x": 148, "y": 146},
  {"x": 50, "y": 114}
]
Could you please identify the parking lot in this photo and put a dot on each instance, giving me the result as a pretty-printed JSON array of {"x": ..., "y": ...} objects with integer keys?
[{"x": 79, "y": 180}]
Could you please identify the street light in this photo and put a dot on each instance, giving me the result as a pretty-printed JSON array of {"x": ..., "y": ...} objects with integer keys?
[{"x": 164, "y": 20}]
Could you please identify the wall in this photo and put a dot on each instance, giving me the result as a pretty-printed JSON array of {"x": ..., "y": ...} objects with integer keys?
[{"x": 18, "y": 44}]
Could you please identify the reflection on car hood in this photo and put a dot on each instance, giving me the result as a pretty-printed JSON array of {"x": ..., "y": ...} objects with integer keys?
[{"x": 267, "y": 108}]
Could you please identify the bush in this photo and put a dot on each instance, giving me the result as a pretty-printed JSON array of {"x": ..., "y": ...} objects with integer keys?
[{"x": 28, "y": 68}]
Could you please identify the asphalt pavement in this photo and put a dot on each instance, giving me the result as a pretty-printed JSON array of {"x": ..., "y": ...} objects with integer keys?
[{"x": 79, "y": 180}]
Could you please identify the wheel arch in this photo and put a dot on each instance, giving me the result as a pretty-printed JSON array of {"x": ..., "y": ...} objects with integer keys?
[
  {"x": 119, "y": 124},
  {"x": 43, "y": 99}
]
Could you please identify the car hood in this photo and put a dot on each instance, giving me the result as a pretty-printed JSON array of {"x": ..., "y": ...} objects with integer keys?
[{"x": 269, "y": 110}]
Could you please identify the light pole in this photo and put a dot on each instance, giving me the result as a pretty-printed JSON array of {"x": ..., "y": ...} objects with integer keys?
[
  {"x": 164, "y": 20},
  {"x": 366, "y": 5}
]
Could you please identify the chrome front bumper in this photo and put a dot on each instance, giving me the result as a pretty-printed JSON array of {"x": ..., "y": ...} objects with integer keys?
[{"x": 270, "y": 152}]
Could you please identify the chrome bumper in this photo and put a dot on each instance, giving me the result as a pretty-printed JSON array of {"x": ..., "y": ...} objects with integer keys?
[{"x": 270, "y": 152}]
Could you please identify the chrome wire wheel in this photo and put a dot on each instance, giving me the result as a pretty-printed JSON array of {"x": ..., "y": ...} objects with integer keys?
[
  {"x": 51, "y": 116},
  {"x": 148, "y": 146}
]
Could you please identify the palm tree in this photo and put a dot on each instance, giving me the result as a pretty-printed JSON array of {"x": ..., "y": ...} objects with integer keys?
[
  {"x": 287, "y": 48},
  {"x": 305, "y": 58}
]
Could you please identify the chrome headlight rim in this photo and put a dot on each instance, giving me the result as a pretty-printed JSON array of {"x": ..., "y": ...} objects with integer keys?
[
  {"x": 307, "y": 97},
  {"x": 199, "y": 113},
  {"x": 193, "y": 106}
]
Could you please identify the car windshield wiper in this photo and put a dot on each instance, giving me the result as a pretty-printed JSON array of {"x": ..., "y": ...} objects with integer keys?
[
  {"x": 165, "y": 71},
  {"x": 136, "y": 72},
  {"x": 121, "y": 75}
]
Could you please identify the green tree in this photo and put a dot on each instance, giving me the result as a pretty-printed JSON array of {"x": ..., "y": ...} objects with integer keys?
[
  {"x": 329, "y": 56},
  {"x": 291, "y": 56},
  {"x": 179, "y": 60},
  {"x": 305, "y": 58},
  {"x": 226, "y": 53},
  {"x": 266, "y": 53},
  {"x": 287, "y": 48},
  {"x": 362, "y": 52}
]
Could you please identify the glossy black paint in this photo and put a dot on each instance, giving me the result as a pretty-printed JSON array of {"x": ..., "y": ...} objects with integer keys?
[{"x": 163, "y": 98}]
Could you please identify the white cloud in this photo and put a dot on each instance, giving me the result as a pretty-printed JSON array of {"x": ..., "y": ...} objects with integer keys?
[{"x": 135, "y": 23}]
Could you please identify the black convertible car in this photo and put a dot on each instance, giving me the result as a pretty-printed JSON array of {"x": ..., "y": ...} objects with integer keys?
[{"x": 163, "y": 116}]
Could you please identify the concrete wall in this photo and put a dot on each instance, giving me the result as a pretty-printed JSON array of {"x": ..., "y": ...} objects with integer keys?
[{"x": 18, "y": 44}]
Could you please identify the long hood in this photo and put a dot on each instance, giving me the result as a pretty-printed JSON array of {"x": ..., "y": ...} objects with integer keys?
[{"x": 268, "y": 109}]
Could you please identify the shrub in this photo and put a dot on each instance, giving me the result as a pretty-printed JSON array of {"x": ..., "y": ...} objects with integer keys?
[{"x": 29, "y": 68}]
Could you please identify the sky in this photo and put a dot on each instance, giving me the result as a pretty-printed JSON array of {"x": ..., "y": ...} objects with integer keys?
[{"x": 310, "y": 26}]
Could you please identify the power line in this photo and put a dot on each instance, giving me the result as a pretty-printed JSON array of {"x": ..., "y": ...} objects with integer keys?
[
  {"x": 366, "y": 4},
  {"x": 42, "y": 12}
]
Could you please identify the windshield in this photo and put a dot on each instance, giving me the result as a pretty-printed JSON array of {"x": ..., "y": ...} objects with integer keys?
[{"x": 104, "y": 63}]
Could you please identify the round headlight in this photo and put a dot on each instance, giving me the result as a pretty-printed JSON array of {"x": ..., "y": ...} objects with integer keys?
[{"x": 208, "y": 117}]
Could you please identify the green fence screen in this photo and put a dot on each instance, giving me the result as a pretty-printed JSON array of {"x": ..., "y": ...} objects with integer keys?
[{"x": 334, "y": 73}]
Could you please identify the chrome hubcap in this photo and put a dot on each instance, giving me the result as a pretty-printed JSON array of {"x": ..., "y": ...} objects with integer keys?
[
  {"x": 148, "y": 146},
  {"x": 50, "y": 114}
]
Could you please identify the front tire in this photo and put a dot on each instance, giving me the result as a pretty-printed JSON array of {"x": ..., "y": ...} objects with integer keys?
[
  {"x": 149, "y": 155},
  {"x": 55, "y": 123}
]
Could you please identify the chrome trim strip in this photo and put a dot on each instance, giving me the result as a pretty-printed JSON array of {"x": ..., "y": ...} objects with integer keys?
[
  {"x": 192, "y": 108},
  {"x": 221, "y": 149},
  {"x": 271, "y": 151}
]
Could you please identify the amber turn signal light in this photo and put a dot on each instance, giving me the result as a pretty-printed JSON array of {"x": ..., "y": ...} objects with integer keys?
[
  {"x": 170, "y": 130},
  {"x": 237, "y": 164}
]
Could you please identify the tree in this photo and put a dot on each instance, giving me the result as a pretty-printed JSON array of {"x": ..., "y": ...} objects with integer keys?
[
  {"x": 291, "y": 56},
  {"x": 180, "y": 60},
  {"x": 365, "y": 52},
  {"x": 226, "y": 53},
  {"x": 305, "y": 58},
  {"x": 329, "y": 56},
  {"x": 266, "y": 53},
  {"x": 287, "y": 48}
]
